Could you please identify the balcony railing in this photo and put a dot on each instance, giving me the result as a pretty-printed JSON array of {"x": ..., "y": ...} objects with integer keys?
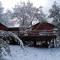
[{"x": 35, "y": 32}]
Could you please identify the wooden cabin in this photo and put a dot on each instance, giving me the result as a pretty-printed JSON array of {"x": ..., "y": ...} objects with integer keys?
[
  {"x": 41, "y": 28},
  {"x": 40, "y": 32}
]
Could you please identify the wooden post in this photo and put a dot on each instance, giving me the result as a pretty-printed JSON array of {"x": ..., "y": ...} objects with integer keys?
[
  {"x": 34, "y": 43},
  {"x": 49, "y": 44},
  {"x": 55, "y": 42},
  {"x": 52, "y": 43}
]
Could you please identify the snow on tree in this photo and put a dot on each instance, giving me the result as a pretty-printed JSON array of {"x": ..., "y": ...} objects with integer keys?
[
  {"x": 4, "y": 43},
  {"x": 26, "y": 13},
  {"x": 55, "y": 14},
  {"x": 1, "y": 12},
  {"x": 7, "y": 17},
  {"x": 39, "y": 14}
]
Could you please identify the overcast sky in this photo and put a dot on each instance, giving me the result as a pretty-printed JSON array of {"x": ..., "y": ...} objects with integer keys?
[
  {"x": 8, "y": 4},
  {"x": 46, "y": 4}
]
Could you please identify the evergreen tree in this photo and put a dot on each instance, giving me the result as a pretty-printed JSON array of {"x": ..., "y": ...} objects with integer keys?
[
  {"x": 1, "y": 12},
  {"x": 39, "y": 14},
  {"x": 55, "y": 14},
  {"x": 7, "y": 17}
]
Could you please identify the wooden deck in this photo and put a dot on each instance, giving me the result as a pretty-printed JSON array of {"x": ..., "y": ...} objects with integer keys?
[{"x": 37, "y": 36}]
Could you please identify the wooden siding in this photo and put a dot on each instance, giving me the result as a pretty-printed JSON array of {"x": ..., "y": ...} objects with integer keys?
[
  {"x": 37, "y": 29},
  {"x": 43, "y": 26},
  {"x": 3, "y": 27}
]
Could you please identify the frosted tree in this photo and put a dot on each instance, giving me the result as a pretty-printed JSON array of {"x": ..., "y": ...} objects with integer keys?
[
  {"x": 55, "y": 14},
  {"x": 39, "y": 14},
  {"x": 5, "y": 39},
  {"x": 4, "y": 46},
  {"x": 7, "y": 17},
  {"x": 1, "y": 12},
  {"x": 26, "y": 13}
]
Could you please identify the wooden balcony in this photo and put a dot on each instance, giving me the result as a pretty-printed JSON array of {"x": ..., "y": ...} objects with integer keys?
[
  {"x": 33, "y": 35},
  {"x": 37, "y": 33}
]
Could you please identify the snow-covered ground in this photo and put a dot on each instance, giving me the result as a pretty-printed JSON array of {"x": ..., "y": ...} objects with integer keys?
[{"x": 30, "y": 53}]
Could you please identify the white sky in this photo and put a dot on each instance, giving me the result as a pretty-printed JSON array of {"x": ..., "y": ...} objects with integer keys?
[{"x": 10, "y": 3}]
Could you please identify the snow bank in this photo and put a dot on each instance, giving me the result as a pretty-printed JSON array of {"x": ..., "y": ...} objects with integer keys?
[{"x": 30, "y": 53}]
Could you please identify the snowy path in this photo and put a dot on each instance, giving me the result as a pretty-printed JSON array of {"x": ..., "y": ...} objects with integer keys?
[{"x": 30, "y": 53}]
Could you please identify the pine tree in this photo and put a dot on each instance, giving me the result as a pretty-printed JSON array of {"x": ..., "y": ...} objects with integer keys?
[
  {"x": 55, "y": 14},
  {"x": 1, "y": 12}
]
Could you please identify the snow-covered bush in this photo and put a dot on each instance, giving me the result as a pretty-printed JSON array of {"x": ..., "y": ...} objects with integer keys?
[
  {"x": 4, "y": 48},
  {"x": 5, "y": 38}
]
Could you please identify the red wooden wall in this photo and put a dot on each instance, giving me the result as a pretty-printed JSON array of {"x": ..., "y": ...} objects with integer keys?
[{"x": 43, "y": 26}]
